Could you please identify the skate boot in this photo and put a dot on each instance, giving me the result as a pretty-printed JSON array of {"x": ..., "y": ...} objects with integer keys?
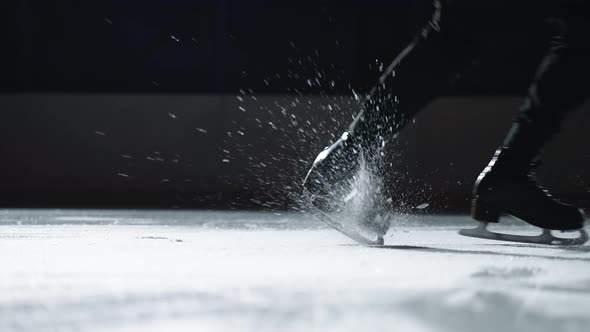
[
  {"x": 500, "y": 191},
  {"x": 328, "y": 190},
  {"x": 507, "y": 186},
  {"x": 333, "y": 166}
]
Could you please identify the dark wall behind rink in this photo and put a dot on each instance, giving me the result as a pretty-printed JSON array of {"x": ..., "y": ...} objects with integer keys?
[{"x": 205, "y": 151}]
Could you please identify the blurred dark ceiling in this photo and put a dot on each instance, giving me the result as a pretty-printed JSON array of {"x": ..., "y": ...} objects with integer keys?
[{"x": 221, "y": 46}]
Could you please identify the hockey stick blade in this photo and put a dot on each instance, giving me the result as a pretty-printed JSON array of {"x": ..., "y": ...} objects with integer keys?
[{"x": 545, "y": 238}]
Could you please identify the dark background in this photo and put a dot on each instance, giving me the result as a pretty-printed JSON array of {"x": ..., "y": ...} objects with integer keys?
[{"x": 223, "y": 104}]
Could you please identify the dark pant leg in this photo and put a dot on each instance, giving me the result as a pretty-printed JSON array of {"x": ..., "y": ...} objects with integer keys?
[
  {"x": 560, "y": 86},
  {"x": 424, "y": 70}
]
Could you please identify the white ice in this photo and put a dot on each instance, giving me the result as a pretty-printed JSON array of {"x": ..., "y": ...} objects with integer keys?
[{"x": 245, "y": 271}]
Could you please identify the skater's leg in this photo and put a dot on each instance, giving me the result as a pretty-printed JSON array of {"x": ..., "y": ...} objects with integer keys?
[
  {"x": 506, "y": 185},
  {"x": 422, "y": 71}
]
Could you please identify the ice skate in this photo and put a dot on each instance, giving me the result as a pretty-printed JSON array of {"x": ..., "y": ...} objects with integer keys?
[
  {"x": 524, "y": 199},
  {"x": 358, "y": 235},
  {"x": 372, "y": 222},
  {"x": 508, "y": 187},
  {"x": 331, "y": 171},
  {"x": 331, "y": 192}
]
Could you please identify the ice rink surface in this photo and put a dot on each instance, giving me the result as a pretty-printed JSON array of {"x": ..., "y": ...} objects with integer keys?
[{"x": 246, "y": 271}]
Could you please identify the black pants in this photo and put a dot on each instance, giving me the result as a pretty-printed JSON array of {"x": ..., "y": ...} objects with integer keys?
[{"x": 453, "y": 40}]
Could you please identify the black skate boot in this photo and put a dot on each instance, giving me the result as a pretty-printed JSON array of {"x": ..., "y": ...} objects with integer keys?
[
  {"x": 507, "y": 186},
  {"x": 333, "y": 166},
  {"x": 330, "y": 192},
  {"x": 500, "y": 190}
]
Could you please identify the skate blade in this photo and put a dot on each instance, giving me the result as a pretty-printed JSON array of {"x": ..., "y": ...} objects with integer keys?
[
  {"x": 545, "y": 238},
  {"x": 327, "y": 219}
]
